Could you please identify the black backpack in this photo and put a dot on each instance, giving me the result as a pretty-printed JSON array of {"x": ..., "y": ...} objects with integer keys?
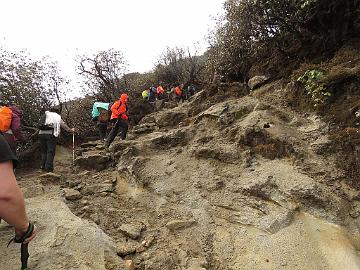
[{"x": 42, "y": 125}]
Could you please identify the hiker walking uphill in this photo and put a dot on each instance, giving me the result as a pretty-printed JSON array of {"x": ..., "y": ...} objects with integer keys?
[
  {"x": 179, "y": 93},
  {"x": 145, "y": 94},
  {"x": 101, "y": 115},
  {"x": 119, "y": 119},
  {"x": 50, "y": 126},
  {"x": 160, "y": 92},
  {"x": 10, "y": 125}
]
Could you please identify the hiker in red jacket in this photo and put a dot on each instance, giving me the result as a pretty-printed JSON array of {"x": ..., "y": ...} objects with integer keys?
[{"x": 119, "y": 118}]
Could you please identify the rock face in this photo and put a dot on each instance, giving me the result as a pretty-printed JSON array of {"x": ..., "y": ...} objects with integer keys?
[
  {"x": 64, "y": 241},
  {"x": 240, "y": 185},
  {"x": 244, "y": 183}
]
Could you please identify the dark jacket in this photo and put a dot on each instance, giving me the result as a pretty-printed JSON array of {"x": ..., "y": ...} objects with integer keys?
[{"x": 16, "y": 124}]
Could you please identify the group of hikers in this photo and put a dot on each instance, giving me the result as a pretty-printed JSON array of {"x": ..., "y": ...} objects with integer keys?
[
  {"x": 49, "y": 128},
  {"x": 175, "y": 92},
  {"x": 50, "y": 125},
  {"x": 12, "y": 204}
]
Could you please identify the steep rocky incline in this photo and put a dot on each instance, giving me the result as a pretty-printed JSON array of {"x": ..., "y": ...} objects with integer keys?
[
  {"x": 231, "y": 183},
  {"x": 241, "y": 184}
]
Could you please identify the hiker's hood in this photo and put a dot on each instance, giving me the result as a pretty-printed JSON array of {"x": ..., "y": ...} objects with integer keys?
[
  {"x": 124, "y": 97},
  {"x": 16, "y": 110}
]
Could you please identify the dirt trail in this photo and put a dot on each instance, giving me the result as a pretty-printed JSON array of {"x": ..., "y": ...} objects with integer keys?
[{"x": 240, "y": 185}]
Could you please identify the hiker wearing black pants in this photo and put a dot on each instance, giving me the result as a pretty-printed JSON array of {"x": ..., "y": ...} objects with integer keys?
[
  {"x": 120, "y": 120},
  {"x": 47, "y": 148},
  {"x": 102, "y": 128},
  {"x": 120, "y": 127},
  {"x": 50, "y": 126}
]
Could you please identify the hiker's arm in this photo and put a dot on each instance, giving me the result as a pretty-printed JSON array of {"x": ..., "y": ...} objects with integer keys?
[
  {"x": 12, "y": 205},
  {"x": 65, "y": 126}
]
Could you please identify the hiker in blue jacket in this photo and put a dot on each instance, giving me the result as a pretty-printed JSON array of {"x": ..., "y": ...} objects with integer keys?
[{"x": 101, "y": 115}]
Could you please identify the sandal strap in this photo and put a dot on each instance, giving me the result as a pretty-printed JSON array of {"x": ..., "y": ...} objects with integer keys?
[{"x": 21, "y": 239}]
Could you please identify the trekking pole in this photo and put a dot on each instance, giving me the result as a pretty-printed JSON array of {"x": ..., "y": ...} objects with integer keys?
[
  {"x": 73, "y": 148},
  {"x": 24, "y": 256},
  {"x": 24, "y": 246}
]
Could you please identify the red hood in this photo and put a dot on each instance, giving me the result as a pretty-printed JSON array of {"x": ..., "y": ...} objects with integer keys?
[{"x": 124, "y": 97}]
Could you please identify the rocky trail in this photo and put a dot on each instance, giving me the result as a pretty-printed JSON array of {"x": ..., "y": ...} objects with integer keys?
[{"x": 243, "y": 183}]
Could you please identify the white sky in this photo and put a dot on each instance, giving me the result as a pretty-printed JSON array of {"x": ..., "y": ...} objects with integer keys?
[{"x": 141, "y": 29}]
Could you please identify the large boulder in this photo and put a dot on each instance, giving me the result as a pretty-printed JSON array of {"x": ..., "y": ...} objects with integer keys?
[{"x": 64, "y": 241}]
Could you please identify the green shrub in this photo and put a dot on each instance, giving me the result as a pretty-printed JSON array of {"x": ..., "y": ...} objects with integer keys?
[{"x": 315, "y": 88}]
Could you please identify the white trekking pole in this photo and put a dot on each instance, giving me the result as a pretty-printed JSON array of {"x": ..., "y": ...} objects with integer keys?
[{"x": 73, "y": 148}]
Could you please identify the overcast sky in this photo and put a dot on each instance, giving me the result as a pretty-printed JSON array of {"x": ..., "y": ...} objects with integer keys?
[{"x": 141, "y": 29}]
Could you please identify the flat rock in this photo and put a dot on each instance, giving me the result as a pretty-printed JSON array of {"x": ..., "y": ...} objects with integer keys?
[
  {"x": 170, "y": 118},
  {"x": 89, "y": 144},
  {"x": 179, "y": 224},
  {"x": 50, "y": 178},
  {"x": 124, "y": 249},
  {"x": 132, "y": 231},
  {"x": 276, "y": 221},
  {"x": 74, "y": 182},
  {"x": 144, "y": 128},
  {"x": 169, "y": 140},
  {"x": 94, "y": 161},
  {"x": 72, "y": 194}
]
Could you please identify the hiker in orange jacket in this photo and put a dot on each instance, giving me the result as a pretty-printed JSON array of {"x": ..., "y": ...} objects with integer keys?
[
  {"x": 160, "y": 92},
  {"x": 15, "y": 132},
  {"x": 119, "y": 118},
  {"x": 179, "y": 93}
]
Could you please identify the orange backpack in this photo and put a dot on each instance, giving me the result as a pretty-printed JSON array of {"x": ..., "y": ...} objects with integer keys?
[{"x": 5, "y": 118}]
